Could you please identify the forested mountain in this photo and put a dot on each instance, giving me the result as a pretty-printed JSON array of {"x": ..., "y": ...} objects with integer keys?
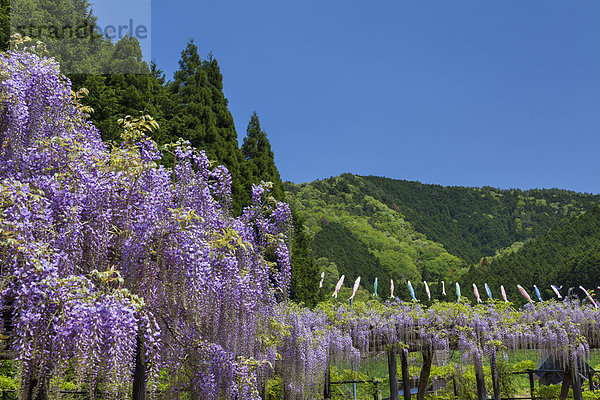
[
  {"x": 567, "y": 255},
  {"x": 373, "y": 226},
  {"x": 361, "y": 236},
  {"x": 473, "y": 223}
]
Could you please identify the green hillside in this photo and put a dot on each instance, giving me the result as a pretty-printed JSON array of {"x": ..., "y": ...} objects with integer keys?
[
  {"x": 473, "y": 223},
  {"x": 567, "y": 255},
  {"x": 371, "y": 226},
  {"x": 364, "y": 237}
]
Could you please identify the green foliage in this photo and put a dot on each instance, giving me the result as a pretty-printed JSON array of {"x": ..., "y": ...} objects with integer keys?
[
  {"x": 473, "y": 223},
  {"x": 9, "y": 379},
  {"x": 363, "y": 236},
  {"x": 305, "y": 272},
  {"x": 364, "y": 388},
  {"x": 201, "y": 116},
  {"x": 551, "y": 392},
  {"x": 4, "y": 24},
  {"x": 259, "y": 158},
  {"x": 372, "y": 226},
  {"x": 523, "y": 366},
  {"x": 274, "y": 390},
  {"x": 114, "y": 96},
  {"x": 444, "y": 396},
  {"x": 352, "y": 257},
  {"x": 568, "y": 254},
  {"x": 591, "y": 395},
  {"x": 508, "y": 384}
]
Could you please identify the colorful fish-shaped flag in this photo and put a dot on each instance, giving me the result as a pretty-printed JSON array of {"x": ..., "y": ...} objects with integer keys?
[
  {"x": 391, "y": 288},
  {"x": 375, "y": 287},
  {"x": 537, "y": 293},
  {"x": 457, "y": 292},
  {"x": 355, "y": 289},
  {"x": 412, "y": 291},
  {"x": 556, "y": 291},
  {"x": 322, "y": 279},
  {"x": 476, "y": 292},
  {"x": 524, "y": 293},
  {"x": 488, "y": 291},
  {"x": 427, "y": 290},
  {"x": 443, "y": 288},
  {"x": 338, "y": 286},
  {"x": 589, "y": 296},
  {"x": 503, "y": 292}
]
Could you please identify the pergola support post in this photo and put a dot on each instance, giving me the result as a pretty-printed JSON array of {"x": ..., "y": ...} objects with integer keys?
[
  {"x": 479, "y": 378},
  {"x": 405, "y": 374},
  {"x": 393, "y": 373},
  {"x": 425, "y": 372}
]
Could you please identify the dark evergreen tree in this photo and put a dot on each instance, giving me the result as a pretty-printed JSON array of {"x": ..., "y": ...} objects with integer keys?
[
  {"x": 352, "y": 256},
  {"x": 202, "y": 116},
  {"x": 567, "y": 255},
  {"x": 259, "y": 165},
  {"x": 4, "y": 24},
  {"x": 194, "y": 120},
  {"x": 305, "y": 272},
  {"x": 117, "y": 95},
  {"x": 227, "y": 147},
  {"x": 259, "y": 158}
]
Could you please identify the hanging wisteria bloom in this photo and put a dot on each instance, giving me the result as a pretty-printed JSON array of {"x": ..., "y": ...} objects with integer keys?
[{"x": 103, "y": 249}]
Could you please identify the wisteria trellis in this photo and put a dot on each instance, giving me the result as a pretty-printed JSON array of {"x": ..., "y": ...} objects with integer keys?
[{"x": 100, "y": 246}]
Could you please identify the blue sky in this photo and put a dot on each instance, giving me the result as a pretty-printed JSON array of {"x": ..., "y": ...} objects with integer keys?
[{"x": 500, "y": 93}]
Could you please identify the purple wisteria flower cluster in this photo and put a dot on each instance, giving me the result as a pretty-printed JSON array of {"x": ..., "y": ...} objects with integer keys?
[
  {"x": 101, "y": 248},
  {"x": 561, "y": 330}
]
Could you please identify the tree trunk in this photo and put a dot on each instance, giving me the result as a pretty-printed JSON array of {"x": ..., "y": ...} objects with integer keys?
[
  {"x": 393, "y": 373},
  {"x": 575, "y": 378},
  {"x": 564, "y": 388},
  {"x": 139, "y": 374},
  {"x": 327, "y": 385},
  {"x": 495, "y": 377},
  {"x": 34, "y": 390},
  {"x": 425, "y": 372},
  {"x": 405, "y": 374},
  {"x": 481, "y": 393}
]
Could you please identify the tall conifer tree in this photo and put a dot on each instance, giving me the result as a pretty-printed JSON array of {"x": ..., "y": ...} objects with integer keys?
[
  {"x": 259, "y": 158},
  {"x": 117, "y": 95},
  {"x": 202, "y": 116},
  {"x": 194, "y": 119},
  {"x": 227, "y": 149}
]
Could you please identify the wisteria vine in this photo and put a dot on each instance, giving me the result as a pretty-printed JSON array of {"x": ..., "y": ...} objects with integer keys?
[{"x": 100, "y": 246}]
